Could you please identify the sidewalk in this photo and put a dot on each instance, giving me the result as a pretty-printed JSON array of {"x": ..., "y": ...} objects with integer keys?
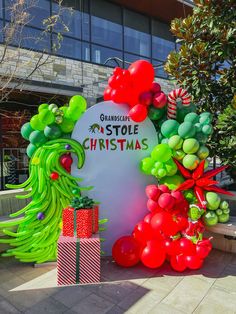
[{"x": 24, "y": 289}]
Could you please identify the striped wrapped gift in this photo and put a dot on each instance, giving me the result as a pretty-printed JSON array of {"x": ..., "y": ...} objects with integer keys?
[{"x": 78, "y": 260}]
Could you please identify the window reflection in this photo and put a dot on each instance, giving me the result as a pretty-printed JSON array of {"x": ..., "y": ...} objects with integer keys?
[
  {"x": 69, "y": 48},
  {"x": 161, "y": 47},
  {"x": 137, "y": 42},
  {"x": 106, "y": 33},
  {"x": 101, "y": 54},
  {"x": 132, "y": 58},
  {"x": 34, "y": 39}
]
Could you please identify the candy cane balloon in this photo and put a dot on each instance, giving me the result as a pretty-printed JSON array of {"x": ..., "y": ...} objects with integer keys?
[{"x": 172, "y": 97}]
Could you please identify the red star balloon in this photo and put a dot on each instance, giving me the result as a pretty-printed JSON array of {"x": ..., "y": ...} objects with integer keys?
[{"x": 200, "y": 181}]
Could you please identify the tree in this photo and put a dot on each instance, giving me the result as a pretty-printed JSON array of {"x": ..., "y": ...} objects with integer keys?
[
  {"x": 14, "y": 60},
  {"x": 205, "y": 62}
]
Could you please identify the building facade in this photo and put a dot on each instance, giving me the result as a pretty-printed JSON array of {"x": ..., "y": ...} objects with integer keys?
[{"x": 101, "y": 35}]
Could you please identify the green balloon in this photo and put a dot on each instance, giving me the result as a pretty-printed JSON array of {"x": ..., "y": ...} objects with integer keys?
[
  {"x": 205, "y": 118},
  {"x": 186, "y": 130},
  {"x": 37, "y": 138},
  {"x": 26, "y": 130},
  {"x": 198, "y": 127},
  {"x": 52, "y": 131},
  {"x": 64, "y": 109},
  {"x": 190, "y": 161},
  {"x": 207, "y": 129},
  {"x": 171, "y": 167},
  {"x": 172, "y": 182},
  {"x": 191, "y": 117},
  {"x": 190, "y": 196},
  {"x": 78, "y": 102},
  {"x": 36, "y": 124},
  {"x": 170, "y": 128},
  {"x": 161, "y": 152},
  {"x": 161, "y": 173},
  {"x": 202, "y": 138},
  {"x": 190, "y": 146},
  {"x": 46, "y": 116},
  {"x": 203, "y": 152},
  {"x": 30, "y": 150},
  {"x": 175, "y": 142},
  {"x": 178, "y": 154},
  {"x": 155, "y": 113},
  {"x": 67, "y": 125},
  {"x": 42, "y": 107},
  {"x": 147, "y": 165},
  {"x": 164, "y": 141}
]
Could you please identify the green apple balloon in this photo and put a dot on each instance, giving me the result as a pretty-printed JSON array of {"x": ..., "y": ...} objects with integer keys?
[
  {"x": 213, "y": 200},
  {"x": 190, "y": 161},
  {"x": 175, "y": 142},
  {"x": 210, "y": 218},
  {"x": 190, "y": 146}
]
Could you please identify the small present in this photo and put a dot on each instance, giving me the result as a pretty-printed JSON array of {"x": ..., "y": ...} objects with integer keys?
[
  {"x": 95, "y": 214},
  {"x": 78, "y": 260},
  {"x": 77, "y": 222}
]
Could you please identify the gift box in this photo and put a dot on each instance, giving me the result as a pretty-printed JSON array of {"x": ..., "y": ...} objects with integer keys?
[
  {"x": 78, "y": 260},
  {"x": 80, "y": 222},
  {"x": 77, "y": 222}
]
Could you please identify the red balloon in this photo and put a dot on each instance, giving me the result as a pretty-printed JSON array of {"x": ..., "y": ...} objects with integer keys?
[
  {"x": 117, "y": 71},
  {"x": 203, "y": 248},
  {"x": 164, "y": 188},
  {"x": 152, "y": 192},
  {"x": 142, "y": 74},
  {"x": 193, "y": 261},
  {"x": 159, "y": 100},
  {"x": 178, "y": 263},
  {"x": 186, "y": 247},
  {"x": 66, "y": 162},
  {"x": 54, "y": 175},
  {"x": 168, "y": 246},
  {"x": 107, "y": 93},
  {"x": 126, "y": 251},
  {"x": 120, "y": 95},
  {"x": 153, "y": 255},
  {"x": 148, "y": 218},
  {"x": 164, "y": 221},
  {"x": 133, "y": 98},
  {"x": 138, "y": 113},
  {"x": 113, "y": 82},
  {"x": 181, "y": 221},
  {"x": 142, "y": 233},
  {"x": 145, "y": 98},
  {"x": 156, "y": 88},
  {"x": 152, "y": 205},
  {"x": 166, "y": 201},
  {"x": 178, "y": 196}
]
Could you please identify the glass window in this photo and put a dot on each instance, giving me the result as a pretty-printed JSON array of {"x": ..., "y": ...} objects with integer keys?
[
  {"x": 137, "y": 42},
  {"x": 136, "y": 21},
  {"x": 106, "y": 33},
  {"x": 38, "y": 11},
  {"x": 86, "y": 51},
  {"x": 161, "y": 47},
  {"x": 160, "y": 70},
  {"x": 34, "y": 39},
  {"x": 69, "y": 47},
  {"x": 1, "y": 12},
  {"x": 131, "y": 58},
  {"x": 101, "y": 54},
  {"x": 68, "y": 18},
  {"x": 1, "y": 31},
  {"x": 106, "y": 10}
]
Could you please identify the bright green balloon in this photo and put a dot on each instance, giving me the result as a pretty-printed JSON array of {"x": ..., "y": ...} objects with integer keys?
[
  {"x": 170, "y": 128},
  {"x": 78, "y": 102},
  {"x": 42, "y": 107},
  {"x": 26, "y": 130},
  {"x": 158, "y": 165},
  {"x": 161, "y": 173},
  {"x": 161, "y": 152},
  {"x": 171, "y": 167},
  {"x": 155, "y": 113},
  {"x": 172, "y": 182},
  {"x": 64, "y": 109},
  {"x": 147, "y": 165},
  {"x": 186, "y": 130},
  {"x": 67, "y": 125},
  {"x": 36, "y": 124},
  {"x": 30, "y": 150},
  {"x": 73, "y": 114},
  {"x": 46, "y": 116},
  {"x": 37, "y": 138},
  {"x": 191, "y": 117},
  {"x": 52, "y": 131}
]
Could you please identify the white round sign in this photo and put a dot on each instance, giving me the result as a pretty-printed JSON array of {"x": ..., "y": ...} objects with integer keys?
[{"x": 114, "y": 146}]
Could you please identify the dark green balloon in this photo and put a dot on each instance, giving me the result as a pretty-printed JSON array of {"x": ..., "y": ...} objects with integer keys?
[
  {"x": 30, "y": 150},
  {"x": 26, "y": 130},
  {"x": 52, "y": 131},
  {"x": 155, "y": 113},
  {"x": 37, "y": 138}
]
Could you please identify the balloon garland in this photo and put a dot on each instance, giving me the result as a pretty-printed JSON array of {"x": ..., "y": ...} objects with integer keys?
[{"x": 185, "y": 199}]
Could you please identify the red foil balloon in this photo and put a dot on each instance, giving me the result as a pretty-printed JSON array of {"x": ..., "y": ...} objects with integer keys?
[{"x": 126, "y": 251}]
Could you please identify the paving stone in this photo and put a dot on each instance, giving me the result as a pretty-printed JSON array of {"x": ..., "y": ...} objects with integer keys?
[
  {"x": 187, "y": 294},
  {"x": 47, "y": 306},
  {"x": 115, "y": 310},
  {"x": 70, "y": 296},
  {"x": 93, "y": 304},
  {"x": 162, "y": 308},
  {"x": 140, "y": 300},
  {"x": 217, "y": 302},
  {"x": 7, "y": 308},
  {"x": 227, "y": 280}
]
